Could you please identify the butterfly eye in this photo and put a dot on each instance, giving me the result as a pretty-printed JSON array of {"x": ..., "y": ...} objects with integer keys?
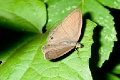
[{"x": 51, "y": 37}]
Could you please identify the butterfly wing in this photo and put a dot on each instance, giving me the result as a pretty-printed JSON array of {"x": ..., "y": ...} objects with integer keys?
[
  {"x": 69, "y": 29},
  {"x": 53, "y": 52},
  {"x": 73, "y": 24}
]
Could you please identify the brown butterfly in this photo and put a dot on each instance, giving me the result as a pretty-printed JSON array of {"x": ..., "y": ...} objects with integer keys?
[{"x": 64, "y": 37}]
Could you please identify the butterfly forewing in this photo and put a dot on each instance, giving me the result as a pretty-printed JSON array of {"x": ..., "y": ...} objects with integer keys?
[
  {"x": 69, "y": 29},
  {"x": 55, "y": 38},
  {"x": 72, "y": 24}
]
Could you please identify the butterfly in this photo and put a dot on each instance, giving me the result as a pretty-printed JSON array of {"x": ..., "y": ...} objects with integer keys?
[{"x": 64, "y": 37}]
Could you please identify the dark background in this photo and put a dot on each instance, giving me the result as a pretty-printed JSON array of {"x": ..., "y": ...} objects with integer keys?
[{"x": 114, "y": 59}]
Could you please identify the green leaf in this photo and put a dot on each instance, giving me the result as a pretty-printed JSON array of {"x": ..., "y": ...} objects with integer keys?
[
  {"x": 105, "y": 33},
  {"x": 27, "y": 62},
  {"x": 111, "y": 3},
  {"x": 25, "y": 15},
  {"x": 20, "y": 59},
  {"x": 116, "y": 69},
  {"x": 58, "y": 10},
  {"x": 110, "y": 76}
]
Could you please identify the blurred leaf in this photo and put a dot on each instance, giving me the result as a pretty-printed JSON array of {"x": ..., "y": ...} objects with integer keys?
[
  {"x": 112, "y": 77},
  {"x": 25, "y": 15},
  {"x": 116, "y": 69}
]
